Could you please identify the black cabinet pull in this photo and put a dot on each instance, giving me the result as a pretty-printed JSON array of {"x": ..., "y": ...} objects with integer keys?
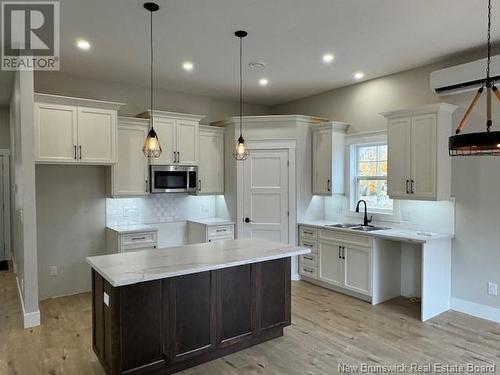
[
  {"x": 75, "y": 151},
  {"x": 343, "y": 252},
  {"x": 340, "y": 249},
  {"x": 80, "y": 152},
  {"x": 328, "y": 185},
  {"x": 412, "y": 187},
  {"x": 407, "y": 189},
  {"x": 199, "y": 185}
]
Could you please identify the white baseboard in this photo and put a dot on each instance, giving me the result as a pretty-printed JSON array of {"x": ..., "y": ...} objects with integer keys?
[
  {"x": 475, "y": 309},
  {"x": 31, "y": 319},
  {"x": 14, "y": 266},
  {"x": 295, "y": 276}
]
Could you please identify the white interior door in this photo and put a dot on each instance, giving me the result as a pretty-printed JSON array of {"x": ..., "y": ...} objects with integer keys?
[
  {"x": 265, "y": 195},
  {"x": 2, "y": 212}
]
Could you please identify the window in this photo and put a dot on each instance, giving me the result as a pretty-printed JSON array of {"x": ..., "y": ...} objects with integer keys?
[{"x": 370, "y": 177}]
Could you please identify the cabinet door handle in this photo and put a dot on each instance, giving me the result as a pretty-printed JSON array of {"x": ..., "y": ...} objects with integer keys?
[
  {"x": 328, "y": 185},
  {"x": 340, "y": 250},
  {"x": 75, "y": 151},
  {"x": 80, "y": 152},
  {"x": 146, "y": 185},
  {"x": 308, "y": 258},
  {"x": 178, "y": 157},
  {"x": 407, "y": 188},
  {"x": 343, "y": 252},
  {"x": 138, "y": 238},
  {"x": 308, "y": 244},
  {"x": 412, "y": 190},
  {"x": 307, "y": 270},
  {"x": 199, "y": 185}
]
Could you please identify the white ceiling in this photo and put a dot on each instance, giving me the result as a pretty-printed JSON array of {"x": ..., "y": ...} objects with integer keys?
[{"x": 377, "y": 37}]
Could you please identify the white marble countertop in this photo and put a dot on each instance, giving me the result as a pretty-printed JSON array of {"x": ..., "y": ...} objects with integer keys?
[
  {"x": 390, "y": 234},
  {"x": 212, "y": 221},
  {"x": 138, "y": 266},
  {"x": 128, "y": 229}
]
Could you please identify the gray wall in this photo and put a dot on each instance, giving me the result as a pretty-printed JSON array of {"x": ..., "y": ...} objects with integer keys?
[
  {"x": 475, "y": 181},
  {"x": 71, "y": 209},
  {"x": 4, "y": 128},
  {"x": 137, "y": 97}
]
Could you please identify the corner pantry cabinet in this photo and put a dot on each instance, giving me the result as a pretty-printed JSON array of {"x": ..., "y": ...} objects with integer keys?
[
  {"x": 74, "y": 130},
  {"x": 178, "y": 134},
  {"x": 211, "y": 166},
  {"x": 328, "y": 158},
  {"x": 419, "y": 166},
  {"x": 130, "y": 175}
]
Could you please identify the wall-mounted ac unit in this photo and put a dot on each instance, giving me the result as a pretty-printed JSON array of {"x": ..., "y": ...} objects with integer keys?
[{"x": 464, "y": 77}]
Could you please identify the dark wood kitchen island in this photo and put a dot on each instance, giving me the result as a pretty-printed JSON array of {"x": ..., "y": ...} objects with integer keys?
[{"x": 162, "y": 311}]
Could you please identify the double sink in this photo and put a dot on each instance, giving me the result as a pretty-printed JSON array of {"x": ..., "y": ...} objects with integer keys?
[{"x": 361, "y": 228}]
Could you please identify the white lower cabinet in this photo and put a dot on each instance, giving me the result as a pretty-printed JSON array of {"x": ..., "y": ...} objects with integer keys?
[
  {"x": 124, "y": 240},
  {"x": 209, "y": 231},
  {"x": 339, "y": 259}
]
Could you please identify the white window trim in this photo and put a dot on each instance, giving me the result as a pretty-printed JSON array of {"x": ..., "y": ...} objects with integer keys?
[{"x": 352, "y": 142}]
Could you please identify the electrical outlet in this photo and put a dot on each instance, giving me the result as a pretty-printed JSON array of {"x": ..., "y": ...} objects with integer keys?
[
  {"x": 492, "y": 289},
  {"x": 53, "y": 270}
]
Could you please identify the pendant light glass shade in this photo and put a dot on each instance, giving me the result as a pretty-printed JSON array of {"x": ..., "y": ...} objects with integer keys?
[
  {"x": 241, "y": 151},
  {"x": 484, "y": 143},
  {"x": 152, "y": 147}
]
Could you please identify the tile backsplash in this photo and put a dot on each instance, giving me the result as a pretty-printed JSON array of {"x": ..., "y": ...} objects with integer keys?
[{"x": 158, "y": 208}]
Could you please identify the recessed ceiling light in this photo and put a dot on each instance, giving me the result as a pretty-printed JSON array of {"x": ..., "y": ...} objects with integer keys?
[
  {"x": 263, "y": 82},
  {"x": 359, "y": 75},
  {"x": 188, "y": 66},
  {"x": 83, "y": 44},
  {"x": 328, "y": 58},
  {"x": 257, "y": 64}
]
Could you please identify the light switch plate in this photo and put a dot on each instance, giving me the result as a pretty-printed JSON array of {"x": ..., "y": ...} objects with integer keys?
[
  {"x": 106, "y": 299},
  {"x": 492, "y": 289}
]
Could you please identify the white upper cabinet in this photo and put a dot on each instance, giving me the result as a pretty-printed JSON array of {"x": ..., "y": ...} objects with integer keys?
[
  {"x": 328, "y": 142},
  {"x": 74, "y": 130},
  {"x": 211, "y": 167},
  {"x": 418, "y": 163},
  {"x": 178, "y": 134},
  {"x": 129, "y": 176}
]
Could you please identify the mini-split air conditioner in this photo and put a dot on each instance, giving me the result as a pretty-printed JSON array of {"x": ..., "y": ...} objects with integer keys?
[{"x": 464, "y": 77}]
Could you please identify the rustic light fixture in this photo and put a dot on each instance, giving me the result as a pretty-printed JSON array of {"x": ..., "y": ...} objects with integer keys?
[
  {"x": 152, "y": 147},
  {"x": 240, "y": 149},
  {"x": 483, "y": 143}
]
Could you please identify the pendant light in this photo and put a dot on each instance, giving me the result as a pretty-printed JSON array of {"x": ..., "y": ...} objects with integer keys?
[
  {"x": 483, "y": 143},
  {"x": 240, "y": 149},
  {"x": 152, "y": 147}
]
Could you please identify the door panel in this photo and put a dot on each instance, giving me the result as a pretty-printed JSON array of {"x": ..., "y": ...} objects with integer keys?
[
  {"x": 330, "y": 262},
  {"x": 265, "y": 195},
  {"x": 55, "y": 133},
  {"x": 194, "y": 329},
  {"x": 187, "y": 142},
  {"x": 399, "y": 163},
  {"x": 423, "y": 155},
  {"x": 211, "y": 166},
  {"x": 130, "y": 174},
  {"x": 322, "y": 161},
  {"x": 96, "y": 135},
  {"x": 357, "y": 269},
  {"x": 165, "y": 129},
  {"x": 273, "y": 296}
]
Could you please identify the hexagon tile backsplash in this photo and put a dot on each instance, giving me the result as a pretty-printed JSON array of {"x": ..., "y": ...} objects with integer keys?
[{"x": 158, "y": 208}]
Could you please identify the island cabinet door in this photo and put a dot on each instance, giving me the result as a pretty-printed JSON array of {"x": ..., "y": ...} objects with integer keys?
[
  {"x": 192, "y": 315},
  {"x": 236, "y": 304},
  {"x": 273, "y": 294}
]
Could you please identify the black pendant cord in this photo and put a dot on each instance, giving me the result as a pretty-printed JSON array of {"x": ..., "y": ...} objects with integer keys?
[
  {"x": 241, "y": 87},
  {"x": 151, "y": 67},
  {"x": 488, "y": 62}
]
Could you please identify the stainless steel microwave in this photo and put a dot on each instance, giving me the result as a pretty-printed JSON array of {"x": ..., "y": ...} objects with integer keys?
[{"x": 173, "y": 179}]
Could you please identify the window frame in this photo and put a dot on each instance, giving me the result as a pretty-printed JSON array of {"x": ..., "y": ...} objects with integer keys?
[
  {"x": 358, "y": 178},
  {"x": 352, "y": 142}
]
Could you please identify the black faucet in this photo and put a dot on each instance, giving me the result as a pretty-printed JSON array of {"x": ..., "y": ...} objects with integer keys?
[{"x": 366, "y": 222}]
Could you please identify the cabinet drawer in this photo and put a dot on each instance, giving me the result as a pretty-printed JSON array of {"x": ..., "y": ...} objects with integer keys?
[
  {"x": 138, "y": 240},
  {"x": 310, "y": 260},
  {"x": 313, "y": 245},
  {"x": 308, "y": 232},
  {"x": 221, "y": 238},
  {"x": 343, "y": 237},
  {"x": 220, "y": 230},
  {"x": 308, "y": 271}
]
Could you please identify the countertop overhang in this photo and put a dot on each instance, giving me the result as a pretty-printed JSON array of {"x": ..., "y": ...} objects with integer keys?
[{"x": 146, "y": 265}]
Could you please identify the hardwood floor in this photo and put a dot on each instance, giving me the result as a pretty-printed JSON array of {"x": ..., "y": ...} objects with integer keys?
[{"x": 327, "y": 328}]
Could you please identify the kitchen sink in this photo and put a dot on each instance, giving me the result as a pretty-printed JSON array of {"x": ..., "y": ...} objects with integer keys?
[
  {"x": 367, "y": 228},
  {"x": 346, "y": 226}
]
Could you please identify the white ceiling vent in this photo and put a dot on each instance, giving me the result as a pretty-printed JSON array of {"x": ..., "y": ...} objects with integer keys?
[{"x": 464, "y": 77}]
